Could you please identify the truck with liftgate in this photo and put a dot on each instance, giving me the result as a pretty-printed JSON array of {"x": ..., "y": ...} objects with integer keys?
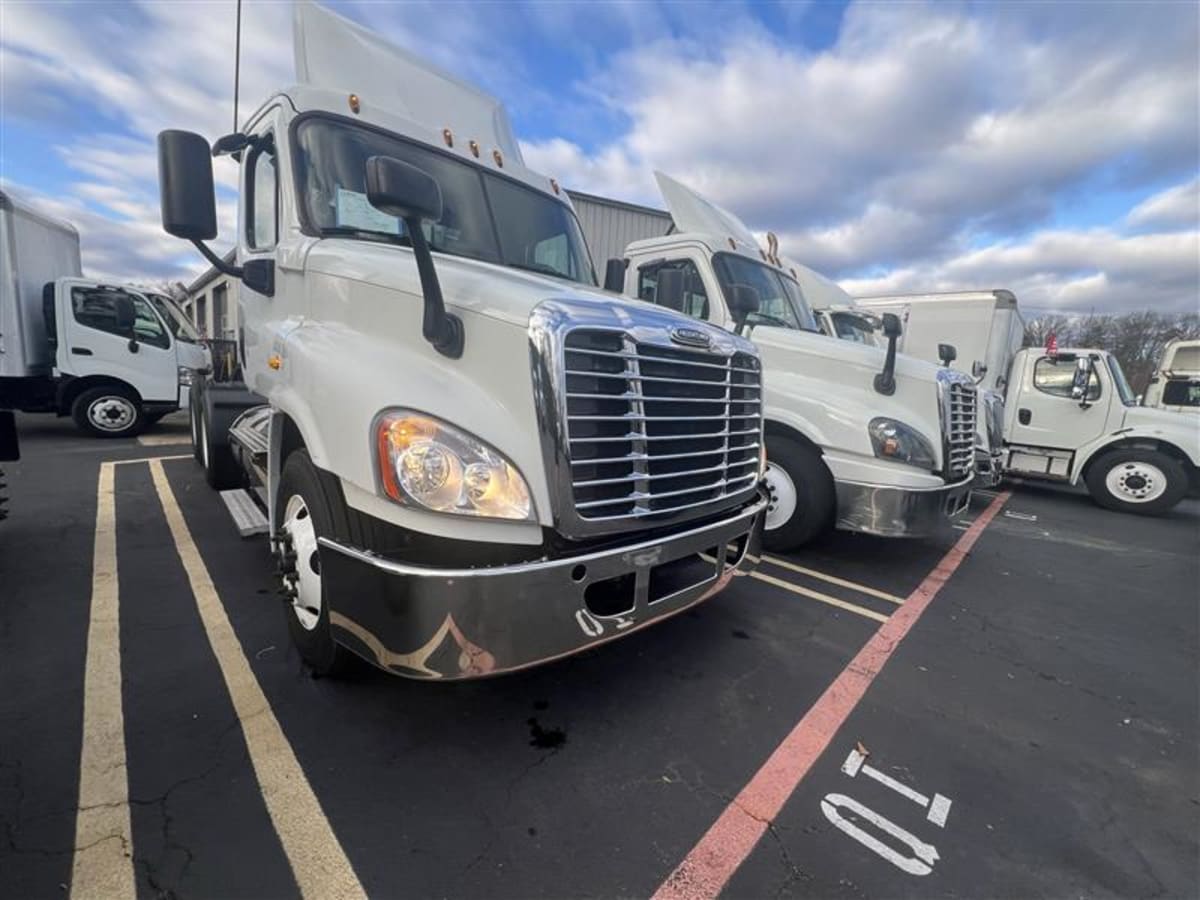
[
  {"x": 858, "y": 437},
  {"x": 472, "y": 459}
]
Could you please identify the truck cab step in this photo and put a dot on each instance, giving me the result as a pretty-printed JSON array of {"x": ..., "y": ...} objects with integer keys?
[{"x": 247, "y": 516}]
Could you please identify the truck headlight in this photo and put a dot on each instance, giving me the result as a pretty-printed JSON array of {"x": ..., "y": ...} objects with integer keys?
[
  {"x": 428, "y": 462},
  {"x": 901, "y": 443},
  {"x": 185, "y": 376}
]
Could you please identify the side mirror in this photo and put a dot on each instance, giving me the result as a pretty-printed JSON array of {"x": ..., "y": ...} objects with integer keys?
[
  {"x": 413, "y": 195},
  {"x": 891, "y": 326},
  {"x": 947, "y": 353},
  {"x": 885, "y": 381},
  {"x": 1082, "y": 380},
  {"x": 126, "y": 316},
  {"x": 668, "y": 290},
  {"x": 185, "y": 183},
  {"x": 744, "y": 301},
  {"x": 403, "y": 190},
  {"x": 614, "y": 275}
]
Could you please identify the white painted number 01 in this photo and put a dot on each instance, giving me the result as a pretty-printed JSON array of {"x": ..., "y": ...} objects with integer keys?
[{"x": 922, "y": 856}]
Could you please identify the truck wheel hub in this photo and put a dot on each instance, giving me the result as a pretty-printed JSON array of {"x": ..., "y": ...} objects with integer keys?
[
  {"x": 302, "y": 579},
  {"x": 111, "y": 413},
  {"x": 782, "y": 498},
  {"x": 1136, "y": 482}
]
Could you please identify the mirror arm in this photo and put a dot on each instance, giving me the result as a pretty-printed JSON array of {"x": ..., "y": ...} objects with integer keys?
[
  {"x": 217, "y": 262},
  {"x": 885, "y": 381},
  {"x": 442, "y": 329}
]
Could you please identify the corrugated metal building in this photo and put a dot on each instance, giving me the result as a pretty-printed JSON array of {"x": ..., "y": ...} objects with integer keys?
[{"x": 609, "y": 226}]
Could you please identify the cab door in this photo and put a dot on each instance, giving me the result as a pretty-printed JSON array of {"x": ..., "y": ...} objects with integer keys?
[
  {"x": 1046, "y": 414},
  {"x": 90, "y": 343},
  {"x": 699, "y": 299}
]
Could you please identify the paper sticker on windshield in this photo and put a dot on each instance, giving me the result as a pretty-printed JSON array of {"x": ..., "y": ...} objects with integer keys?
[{"x": 353, "y": 210}]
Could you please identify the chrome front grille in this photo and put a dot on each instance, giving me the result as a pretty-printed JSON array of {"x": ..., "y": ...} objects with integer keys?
[
  {"x": 959, "y": 412},
  {"x": 652, "y": 429}
]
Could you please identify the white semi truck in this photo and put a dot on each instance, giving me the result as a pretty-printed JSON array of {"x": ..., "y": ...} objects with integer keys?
[
  {"x": 472, "y": 459},
  {"x": 1070, "y": 416},
  {"x": 1175, "y": 384},
  {"x": 986, "y": 329},
  {"x": 858, "y": 437}
]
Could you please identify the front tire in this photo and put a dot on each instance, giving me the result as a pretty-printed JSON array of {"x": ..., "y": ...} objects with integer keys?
[
  {"x": 221, "y": 469},
  {"x": 109, "y": 411},
  {"x": 305, "y": 512},
  {"x": 802, "y": 499},
  {"x": 1143, "y": 482}
]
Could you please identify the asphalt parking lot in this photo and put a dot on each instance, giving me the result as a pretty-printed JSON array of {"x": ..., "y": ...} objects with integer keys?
[{"x": 1009, "y": 710}]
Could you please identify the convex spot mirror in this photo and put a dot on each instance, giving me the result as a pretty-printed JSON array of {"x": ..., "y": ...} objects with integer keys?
[
  {"x": 403, "y": 190},
  {"x": 947, "y": 353},
  {"x": 891, "y": 325}
]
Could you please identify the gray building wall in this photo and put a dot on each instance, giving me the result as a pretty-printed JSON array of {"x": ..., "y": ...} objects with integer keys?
[{"x": 609, "y": 226}]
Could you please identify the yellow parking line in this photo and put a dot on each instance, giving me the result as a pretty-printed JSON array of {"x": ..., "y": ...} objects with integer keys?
[
  {"x": 103, "y": 866},
  {"x": 813, "y": 573},
  {"x": 144, "y": 459},
  {"x": 318, "y": 861},
  {"x": 817, "y": 595}
]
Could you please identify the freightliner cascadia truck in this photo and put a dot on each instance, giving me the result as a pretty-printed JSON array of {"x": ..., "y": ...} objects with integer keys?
[
  {"x": 857, "y": 436},
  {"x": 472, "y": 459}
]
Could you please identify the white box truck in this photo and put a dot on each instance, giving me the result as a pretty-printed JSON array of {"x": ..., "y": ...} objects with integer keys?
[
  {"x": 1071, "y": 416},
  {"x": 858, "y": 437},
  {"x": 113, "y": 357},
  {"x": 1175, "y": 384},
  {"x": 986, "y": 330},
  {"x": 472, "y": 459}
]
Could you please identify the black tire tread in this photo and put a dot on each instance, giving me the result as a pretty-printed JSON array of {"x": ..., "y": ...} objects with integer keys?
[{"x": 1177, "y": 480}]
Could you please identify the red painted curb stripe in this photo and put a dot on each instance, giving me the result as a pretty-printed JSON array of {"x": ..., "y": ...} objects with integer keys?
[{"x": 706, "y": 870}]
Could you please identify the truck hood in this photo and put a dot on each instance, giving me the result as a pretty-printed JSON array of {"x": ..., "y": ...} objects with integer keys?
[
  {"x": 1180, "y": 428},
  {"x": 846, "y": 361},
  {"x": 468, "y": 285}
]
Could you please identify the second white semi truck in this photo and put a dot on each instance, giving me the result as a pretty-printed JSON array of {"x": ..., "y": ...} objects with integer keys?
[
  {"x": 1175, "y": 384},
  {"x": 858, "y": 437},
  {"x": 473, "y": 460}
]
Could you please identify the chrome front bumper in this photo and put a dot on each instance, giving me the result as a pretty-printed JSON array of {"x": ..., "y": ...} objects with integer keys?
[
  {"x": 466, "y": 623},
  {"x": 899, "y": 512},
  {"x": 989, "y": 468}
]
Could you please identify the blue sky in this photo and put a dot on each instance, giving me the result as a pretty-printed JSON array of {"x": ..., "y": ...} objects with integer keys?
[{"x": 1049, "y": 148}]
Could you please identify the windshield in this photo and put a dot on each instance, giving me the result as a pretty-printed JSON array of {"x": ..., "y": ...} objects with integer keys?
[
  {"x": 484, "y": 215},
  {"x": 780, "y": 301},
  {"x": 179, "y": 324},
  {"x": 1124, "y": 391}
]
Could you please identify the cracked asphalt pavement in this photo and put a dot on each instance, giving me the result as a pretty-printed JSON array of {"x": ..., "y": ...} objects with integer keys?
[{"x": 1048, "y": 695}]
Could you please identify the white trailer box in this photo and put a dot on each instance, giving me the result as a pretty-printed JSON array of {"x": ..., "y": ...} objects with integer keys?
[{"x": 34, "y": 250}]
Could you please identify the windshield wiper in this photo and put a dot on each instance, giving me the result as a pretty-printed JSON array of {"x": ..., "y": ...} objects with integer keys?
[
  {"x": 383, "y": 237},
  {"x": 772, "y": 320},
  {"x": 541, "y": 268}
]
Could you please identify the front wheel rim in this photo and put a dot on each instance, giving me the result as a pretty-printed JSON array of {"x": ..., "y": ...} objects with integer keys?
[
  {"x": 303, "y": 581},
  {"x": 112, "y": 413},
  {"x": 1136, "y": 481},
  {"x": 783, "y": 499}
]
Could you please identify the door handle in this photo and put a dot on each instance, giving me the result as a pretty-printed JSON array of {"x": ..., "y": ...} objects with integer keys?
[
  {"x": 1024, "y": 416},
  {"x": 81, "y": 351}
]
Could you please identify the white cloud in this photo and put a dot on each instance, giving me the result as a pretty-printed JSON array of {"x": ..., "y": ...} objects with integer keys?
[{"x": 1175, "y": 207}]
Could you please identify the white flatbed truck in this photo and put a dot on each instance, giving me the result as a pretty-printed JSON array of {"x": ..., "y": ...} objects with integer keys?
[{"x": 472, "y": 459}]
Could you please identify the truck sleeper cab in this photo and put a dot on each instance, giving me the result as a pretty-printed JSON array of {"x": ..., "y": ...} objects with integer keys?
[
  {"x": 1071, "y": 416},
  {"x": 841, "y": 452},
  {"x": 472, "y": 459}
]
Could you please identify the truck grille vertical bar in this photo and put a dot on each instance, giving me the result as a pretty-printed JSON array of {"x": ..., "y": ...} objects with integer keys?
[{"x": 959, "y": 409}]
